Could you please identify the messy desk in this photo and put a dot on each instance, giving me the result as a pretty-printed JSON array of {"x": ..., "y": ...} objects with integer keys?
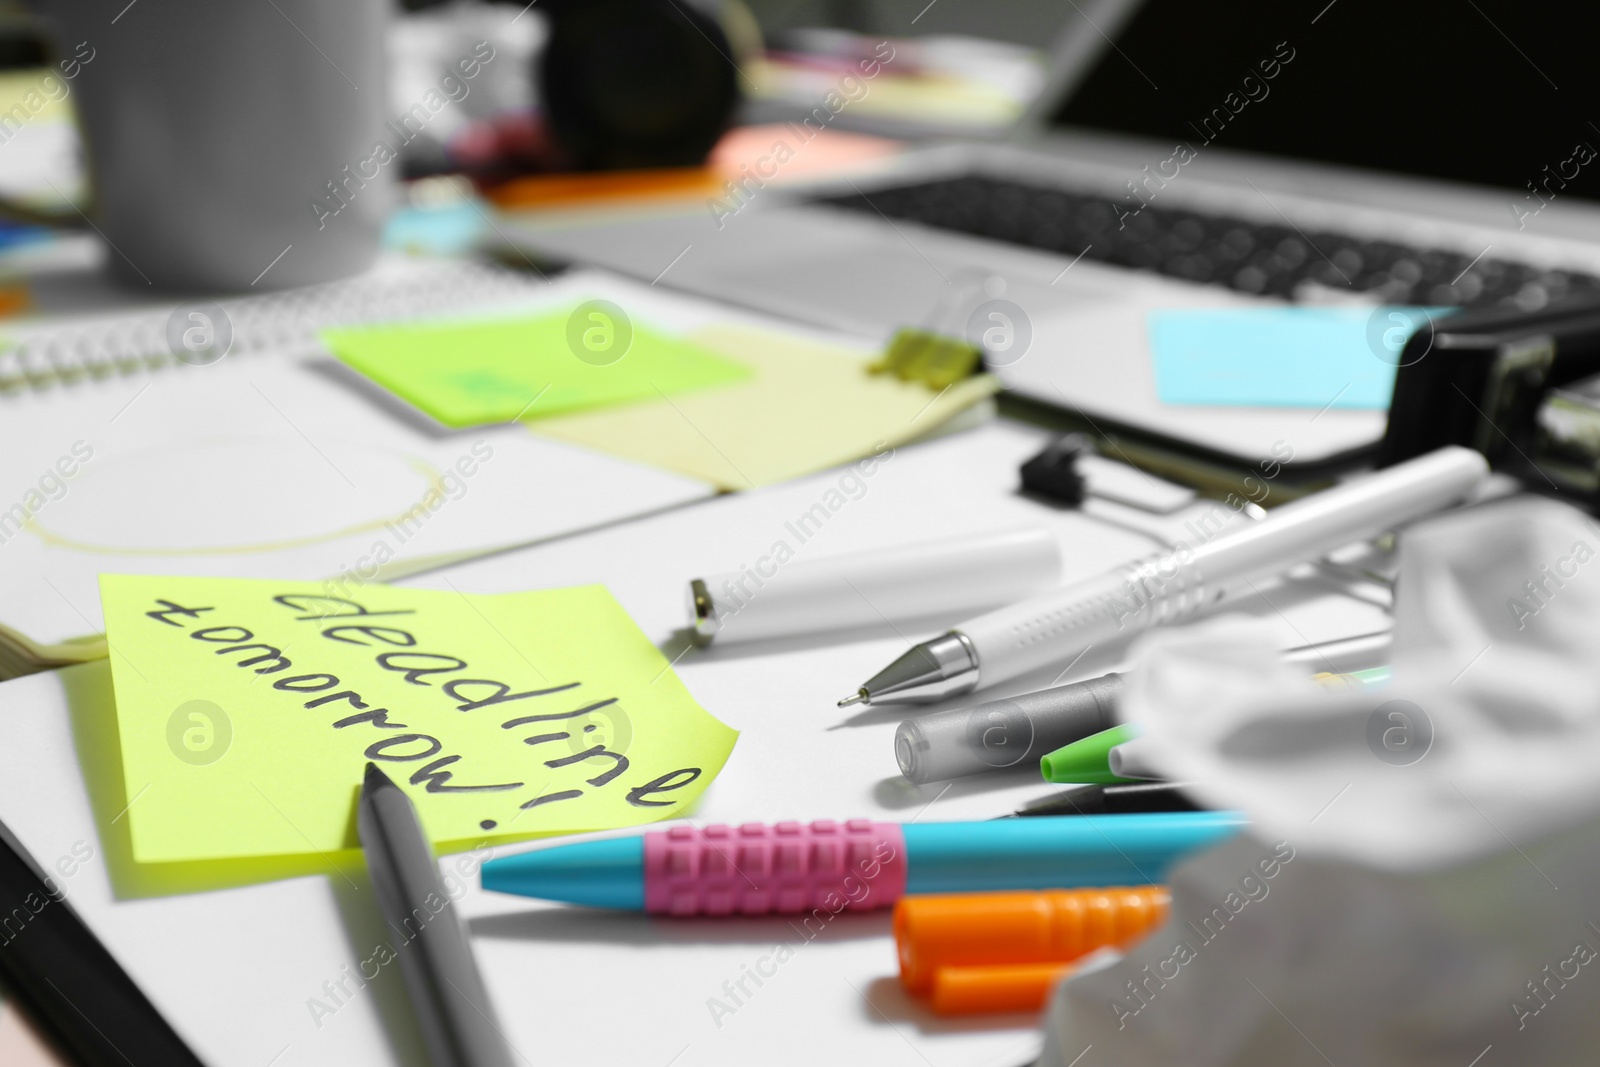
[{"x": 718, "y": 540}]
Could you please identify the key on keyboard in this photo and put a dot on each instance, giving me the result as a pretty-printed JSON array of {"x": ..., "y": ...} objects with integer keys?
[{"x": 1252, "y": 257}]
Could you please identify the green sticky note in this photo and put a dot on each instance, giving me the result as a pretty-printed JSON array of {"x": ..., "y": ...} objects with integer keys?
[
  {"x": 247, "y": 711},
  {"x": 469, "y": 373}
]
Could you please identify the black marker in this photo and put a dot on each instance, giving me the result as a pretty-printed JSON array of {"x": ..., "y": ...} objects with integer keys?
[
  {"x": 1133, "y": 799},
  {"x": 67, "y": 981}
]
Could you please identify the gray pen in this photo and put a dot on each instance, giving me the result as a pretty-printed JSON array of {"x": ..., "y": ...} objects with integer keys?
[
  {"x": 1006, "y": 733},
  {"x": 436, "y": 962}
]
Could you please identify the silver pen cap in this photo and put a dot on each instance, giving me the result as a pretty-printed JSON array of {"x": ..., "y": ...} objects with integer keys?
[{"x": 947, "y": 666}]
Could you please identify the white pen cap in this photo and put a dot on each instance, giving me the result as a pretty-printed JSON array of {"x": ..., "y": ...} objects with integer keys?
[
  {"x": 945, "y": 579},
  {"x": 1131, "y": 759}
]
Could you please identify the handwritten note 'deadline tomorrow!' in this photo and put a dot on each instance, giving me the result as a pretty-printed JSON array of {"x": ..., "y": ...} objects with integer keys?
[{"x": 247, "y": 711}]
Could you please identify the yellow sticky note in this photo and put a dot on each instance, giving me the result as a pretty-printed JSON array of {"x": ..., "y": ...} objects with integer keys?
[
  {"x": 806, "y": 407},
  {"x": 247, "y": 711}
]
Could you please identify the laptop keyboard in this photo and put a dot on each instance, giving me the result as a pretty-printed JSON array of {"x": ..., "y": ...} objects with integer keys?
[{"x": 1248, "y": 256}]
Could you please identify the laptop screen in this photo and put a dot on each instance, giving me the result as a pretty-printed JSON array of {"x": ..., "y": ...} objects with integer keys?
[{"x": 1492, "y": 92}]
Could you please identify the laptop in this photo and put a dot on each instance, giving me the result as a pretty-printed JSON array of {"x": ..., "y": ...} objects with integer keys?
[{"x": 1436, "y": 153}]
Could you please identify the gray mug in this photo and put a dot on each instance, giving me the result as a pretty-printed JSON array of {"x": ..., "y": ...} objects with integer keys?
[{"x": 230, "y": 144}]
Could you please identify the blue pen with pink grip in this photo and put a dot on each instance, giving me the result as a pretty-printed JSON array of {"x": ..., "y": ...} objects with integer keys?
[{"x": 791, "y": 867}]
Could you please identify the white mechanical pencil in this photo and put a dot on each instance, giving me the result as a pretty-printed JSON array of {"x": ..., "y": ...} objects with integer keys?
[{"x": 1171, "y": 586}]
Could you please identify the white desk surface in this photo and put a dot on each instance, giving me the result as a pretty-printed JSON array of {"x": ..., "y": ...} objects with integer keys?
[{"x": 237, "y": 970}]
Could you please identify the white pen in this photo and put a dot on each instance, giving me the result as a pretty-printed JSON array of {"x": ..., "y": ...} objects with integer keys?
[{"x": 1170, "y": 586}]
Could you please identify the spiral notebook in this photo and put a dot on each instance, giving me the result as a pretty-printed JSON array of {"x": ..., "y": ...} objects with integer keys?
[{"x": 273, "y": 461}]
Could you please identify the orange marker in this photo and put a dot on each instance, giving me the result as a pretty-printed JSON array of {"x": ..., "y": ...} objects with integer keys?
[
  {"x": 1006, "y": 987},
  {"x": 992, "y": 929}
]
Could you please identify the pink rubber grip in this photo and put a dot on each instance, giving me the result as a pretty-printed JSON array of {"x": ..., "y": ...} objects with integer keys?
[{"x": 755, "y": 869}]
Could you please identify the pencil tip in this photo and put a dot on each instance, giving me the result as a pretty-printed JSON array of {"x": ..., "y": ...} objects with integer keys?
[
  {"x": 374, "y": 778},
  {"x": 858, "y": 697}
]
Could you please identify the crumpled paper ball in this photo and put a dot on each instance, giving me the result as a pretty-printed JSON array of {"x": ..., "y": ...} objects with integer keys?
[{"x": 1420, "y": 885}]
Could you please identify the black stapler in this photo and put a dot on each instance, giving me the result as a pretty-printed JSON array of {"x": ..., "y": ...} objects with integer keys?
[{"x": 1521, "y": 387}]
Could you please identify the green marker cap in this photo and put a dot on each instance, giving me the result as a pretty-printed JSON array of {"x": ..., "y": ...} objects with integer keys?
[{"x": 1088, "y": 762}]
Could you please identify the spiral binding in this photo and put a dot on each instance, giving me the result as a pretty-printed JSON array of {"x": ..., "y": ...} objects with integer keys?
[{"x": 63, "y": 351}]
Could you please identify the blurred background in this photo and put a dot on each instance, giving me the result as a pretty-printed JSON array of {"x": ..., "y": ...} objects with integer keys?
[
  {"x": 634, "y": 89},
  {"x": 958, "y": 69}
]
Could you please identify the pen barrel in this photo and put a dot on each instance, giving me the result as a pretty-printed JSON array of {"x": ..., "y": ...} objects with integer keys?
[
  {"x": 67, "y": 981},
  {"x": 1128, "y": 798},
  {"x": 787, "y": 867},
  {"x": 447, "y": 994},
  {"x": 1062, "y": 852},
  {"x": 1176, "y": 585},
  {"x": 986, "y": 929},
  {"x": 1059, "y": 625},
  {"x": 1361, "y": 508},
  {"x": 1362, "y": 652},
  {"x": 944, "y": 580},
  {"x": 1004, "y": 733}
]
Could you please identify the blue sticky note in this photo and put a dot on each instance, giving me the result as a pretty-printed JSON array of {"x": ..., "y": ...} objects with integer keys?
[
  {"x": 1298, "y": 357},
  {"x": 442, "y": 230}
]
